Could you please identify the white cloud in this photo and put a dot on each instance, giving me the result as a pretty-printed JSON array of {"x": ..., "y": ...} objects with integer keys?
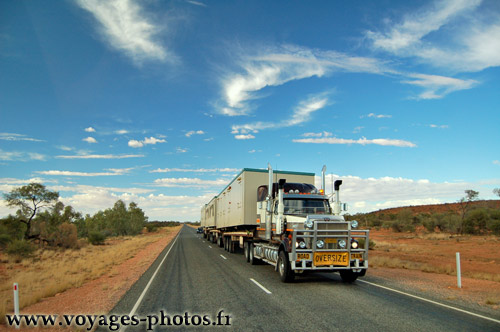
[
  {"x": 189, "y": 182},
  {"x": 90, "y": 140},
  {"x": 370, "y": 194},
  {"x": 126, "y": 27},
  {"x": 147, "y": 140},
  {"x": 302, "y": 113},
  {"x": 362, "y": 141},
  {"x": 277, "y": 66},
  {"x": 121, "y": 132},
  {"x": 496, "y": 162},
  {"x": 102, "y": 156},
  {"x": 90, "y": 130},
  {"x": 111, "y": 172},
  {"x": 192, "y": 132},
  {"x": 198, "y": 170},
  {"x": 453, "y": 34},
  {"x": 438, "y": 86},
  {"x": 181, "y": 150},
  {"x": 244, "y": 137},
  {"x": 439, "y": 126},
  {"x": 376, "y": 116},
  {"x": 196, "y": 3},
  {"x": 17, "y": 137},
  {"x": 21, "y": 156}
]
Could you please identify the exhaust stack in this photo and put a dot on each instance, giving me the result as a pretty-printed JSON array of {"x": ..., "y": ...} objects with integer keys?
[
  {"x": 337, "y": 208},
  {"x": 269, "y": 209},
  {"x": 323, "y": 179}
]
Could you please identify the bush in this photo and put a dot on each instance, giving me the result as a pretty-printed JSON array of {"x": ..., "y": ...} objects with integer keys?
[
  {"x": 20, "y": 249},
  {"x": 4, "y": 240},
  {"x": 96, "y": 238},
  {"x": 151, "y": 227},
  {"x": 66, "y": 236},
  {"x": 476, "y": 222},
  {"x": 494, "y": 226}
]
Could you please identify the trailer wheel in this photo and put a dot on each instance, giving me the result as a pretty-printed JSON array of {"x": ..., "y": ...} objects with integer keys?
[
  {"x": 251, "y": 258},
  {"x": 226, "y": 242},
  {"x": 284, "y": 269},
  {"x": 219, "y": 241},
  {"x": 348, "y": 276},
  {"x": 246, "y": 251}
]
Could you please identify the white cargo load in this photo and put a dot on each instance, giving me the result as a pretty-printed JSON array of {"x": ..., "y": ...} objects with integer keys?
[{"x": 237, "y": 204}]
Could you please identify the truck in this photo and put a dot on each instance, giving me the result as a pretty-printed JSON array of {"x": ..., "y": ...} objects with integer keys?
[{"x": 282, "y": 219}]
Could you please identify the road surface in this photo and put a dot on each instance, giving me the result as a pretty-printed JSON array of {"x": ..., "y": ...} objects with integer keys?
[{"x": 198, "y": 279}]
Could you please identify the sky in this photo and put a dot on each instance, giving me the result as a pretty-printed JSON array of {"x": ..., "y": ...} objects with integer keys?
[{"x": 163, "y": 102}]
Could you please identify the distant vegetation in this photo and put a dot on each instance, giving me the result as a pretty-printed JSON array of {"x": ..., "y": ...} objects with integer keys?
[
  {"x": 41, "y": 220},
  {"x": 467, "y": 216}
]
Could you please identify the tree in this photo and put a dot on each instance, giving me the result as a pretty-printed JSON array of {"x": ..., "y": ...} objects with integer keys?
[
  {"x": 496, "y": 191},
  {"x": 30, "y": 199},
  {"x": 465, "y": 204}
]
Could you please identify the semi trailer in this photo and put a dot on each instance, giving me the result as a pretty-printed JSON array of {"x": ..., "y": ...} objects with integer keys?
[{"x": 281, "y": 218}]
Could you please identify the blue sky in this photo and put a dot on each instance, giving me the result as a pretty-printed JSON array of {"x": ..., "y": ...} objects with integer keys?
[{"x": 163, "y": 102}]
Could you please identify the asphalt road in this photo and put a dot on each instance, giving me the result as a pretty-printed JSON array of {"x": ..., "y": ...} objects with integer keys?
[{"x": 201, "y": 279}]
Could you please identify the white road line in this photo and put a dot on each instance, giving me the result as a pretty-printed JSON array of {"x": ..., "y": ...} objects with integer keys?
[
  {"x": 433, "y": 302},
  {"x": 261, "y": 287},
  {"x": 223, "y": 257},
  {"x": 210, "y": 246},
  {"x": 139, "y": 300}
]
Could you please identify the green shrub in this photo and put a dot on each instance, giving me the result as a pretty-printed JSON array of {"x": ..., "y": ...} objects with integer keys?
[
  {"x": 476, "y": 222},
  {"x": 96, "y": 238},
  {"x": 20, "y": 249},
  {"x": 151, "y": 227},
  {"x": 4, "y": 240}
]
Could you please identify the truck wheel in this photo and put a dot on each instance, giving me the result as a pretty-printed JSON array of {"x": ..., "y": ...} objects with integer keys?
[
  {"x": 226, "y": 244},
  {"x": 286, "y": 273},
  {"x": 348, "y": 276},
  {"x": 219, "y": 241},
  {"x": 245, "y": 250},
  {"x": 251, "y": 258}
]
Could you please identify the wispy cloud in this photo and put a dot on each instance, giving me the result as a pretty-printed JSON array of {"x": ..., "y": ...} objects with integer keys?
[
  {"x": 439, "y": 126},
  {"x": 301, "y": 114},
  {"x": 448, "y": 33},
  {"x": 121, "y": 132},
  {"x": 376, "y": 116},
  {"x": 21, "y": 156},
  {"x": 89, "y": 130},
  {"x": 111, "y": 172},
  {"x": 146, "y": 141},
  {"x": 126, "y": 27},
  {"x": 196, "y": 3},
  {"x": 438, "y": 86},
  {"x": 18, "y": 137},
  {"x": 102, "y": 156},
  {"x": 189, "y": 182},
  {"x": 361, "y": 141},
  {"x": 496, "y": 162},
  {"x": 279, "y": 65},
  {"x": 90, "y": 140},
  {"x": 196, "y": 170},
  {"x": 192, "y": 132}
]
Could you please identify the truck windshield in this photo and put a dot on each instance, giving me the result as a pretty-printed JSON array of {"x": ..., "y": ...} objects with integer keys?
[{"x": 306, "y": 206}]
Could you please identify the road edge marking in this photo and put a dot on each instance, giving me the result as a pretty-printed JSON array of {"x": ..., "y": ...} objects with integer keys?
[
  {"x": 139, "y": 300},
  {"x": 431, "y": 301},
  {"x": 261, "y": 287},
  {"x": 223, "y": 257}
]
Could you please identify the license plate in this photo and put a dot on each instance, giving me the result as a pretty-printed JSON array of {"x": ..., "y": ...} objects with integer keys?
[
  {"x": 330, "y": 240},
  {"x": 331, "y": 258},
  {"x": 303, "y": 256},
  {"x": 357, "y": 255}
]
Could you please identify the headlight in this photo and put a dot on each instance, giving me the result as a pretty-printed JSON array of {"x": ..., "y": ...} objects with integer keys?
[
  {"x": 302, "y": 245},
  {"x": 309, "y": 223},
  {"x": 341, "y": 244},
  {"x": 320, "y": 244},
  {"x": 354, "y": 244},
  {"x": 354, "y": 224}
]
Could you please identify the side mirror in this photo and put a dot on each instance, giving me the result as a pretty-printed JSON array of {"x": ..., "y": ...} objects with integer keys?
[{"x": 344, "y": 206}]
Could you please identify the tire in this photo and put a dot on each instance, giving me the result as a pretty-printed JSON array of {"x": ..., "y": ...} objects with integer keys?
[
  {"x": 246, "y": 251},
  {"x": 251, "y": 258},
  {"x": 284, "y": 269},
  {"x": 348, "y": 276},
  {"x": 226, "y": 242},
  {"x": 219, "y": 241}
]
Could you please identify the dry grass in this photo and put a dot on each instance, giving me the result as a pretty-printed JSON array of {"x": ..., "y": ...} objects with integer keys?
[{"x": 52, "y": 271}]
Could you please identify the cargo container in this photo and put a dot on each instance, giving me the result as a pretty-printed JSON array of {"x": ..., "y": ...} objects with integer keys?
[{"x": 292, "y": 226}]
